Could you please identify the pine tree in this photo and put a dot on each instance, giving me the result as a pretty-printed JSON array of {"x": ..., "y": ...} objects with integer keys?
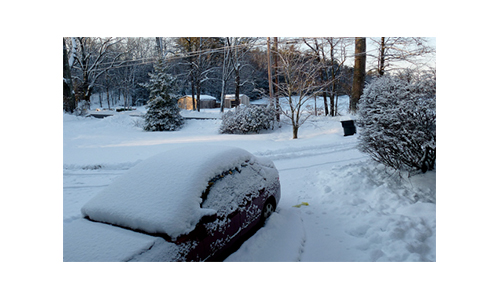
[{"x": 163, "y": 113}]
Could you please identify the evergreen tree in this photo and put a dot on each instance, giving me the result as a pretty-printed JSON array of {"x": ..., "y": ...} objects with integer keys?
[{"x": 163, "y": 113}]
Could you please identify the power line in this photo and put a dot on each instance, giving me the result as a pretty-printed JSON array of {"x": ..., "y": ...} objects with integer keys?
[
  {"x": 188, "y": 54},
  {"x": 196, "y": 53}
]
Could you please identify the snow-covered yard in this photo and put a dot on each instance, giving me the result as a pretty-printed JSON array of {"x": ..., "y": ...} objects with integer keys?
[{"x": 337, "y": 204}]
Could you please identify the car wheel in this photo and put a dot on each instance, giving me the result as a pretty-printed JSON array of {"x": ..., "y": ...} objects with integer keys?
[{"x": 268, "y": 209}]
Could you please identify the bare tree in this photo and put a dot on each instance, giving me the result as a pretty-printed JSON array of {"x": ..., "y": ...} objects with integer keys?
[
  {"x": 392, "y": 51},
  {"x": 69, "y": 102},
  {"x": 331, "y": 54},
  {"x": 338, "y": 56},
  {"x": 300, "y": 75},
  {"x": 127, "y": 75},
  {"x": 200, "y": 59},
  {"x": 317, "y": 47},
  {"x": 187, "y": 46},
  {"x": 94, "y": 57},
  {"x": 239, "y": 47}
]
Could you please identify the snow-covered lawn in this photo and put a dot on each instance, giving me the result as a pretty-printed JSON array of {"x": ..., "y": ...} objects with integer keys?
[{"x": 337, "y": 204}]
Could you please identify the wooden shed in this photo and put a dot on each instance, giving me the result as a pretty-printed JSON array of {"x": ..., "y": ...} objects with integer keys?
[
  {"x": 186, "y": 102},
  {"x": 229, "y": 100}
]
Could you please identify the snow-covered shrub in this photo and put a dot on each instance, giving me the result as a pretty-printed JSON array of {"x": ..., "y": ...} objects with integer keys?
[
  {"x": 247, "y": 119},
  {"x": 163, "y": 113},
  {"x": 397, "y": 121}
]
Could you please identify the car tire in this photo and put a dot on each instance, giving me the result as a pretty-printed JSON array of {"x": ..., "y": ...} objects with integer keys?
[{"x": 267, "y": 210}]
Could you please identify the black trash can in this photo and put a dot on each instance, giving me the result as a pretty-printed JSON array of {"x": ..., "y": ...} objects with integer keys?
[{"x": 349, "y": 127}]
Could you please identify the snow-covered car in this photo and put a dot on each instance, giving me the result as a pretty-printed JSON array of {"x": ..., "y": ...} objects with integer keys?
[{"x": 187, "y": 204}]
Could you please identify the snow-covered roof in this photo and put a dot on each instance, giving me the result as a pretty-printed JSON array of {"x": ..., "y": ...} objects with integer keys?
[
  {"x": 231, "y": 96},
  {"x": 163, "y": 193},
  {"x": 202, "y": 97}
]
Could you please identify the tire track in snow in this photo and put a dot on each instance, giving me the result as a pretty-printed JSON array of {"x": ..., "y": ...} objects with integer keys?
[
  {"x": 323, "y": 164},
  {"x": 308, "y": 151},
  {"x": 302, "y": 245},
  {"x": 306, "y": 157},
  {"x": 85, "y": 186}
]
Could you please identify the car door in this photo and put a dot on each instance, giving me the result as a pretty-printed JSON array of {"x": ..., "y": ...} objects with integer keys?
[
  {"x": 221, "y": 197},
  {"x": 252, "y": 203}
]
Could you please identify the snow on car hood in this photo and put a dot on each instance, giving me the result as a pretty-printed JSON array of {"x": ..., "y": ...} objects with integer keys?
[{"x": 163, "y": 193}]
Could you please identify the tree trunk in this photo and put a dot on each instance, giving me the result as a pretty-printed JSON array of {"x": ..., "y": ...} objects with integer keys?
[
  {"x": 107, "y": 97},
  {"x": 295, "y": 131},
  {"x": 222, "y": 95},
  {"x": 381, "y": 61},
  {"x": 69, "y": 102},
  {"x": 125, "y": 98},
  {"x": 223, "y": 90},
  {"x": 193, "y": 93},
  {"x": 86, "y": 88},
  {"x": 336, "y": 104},
  {"x": 359, "y": 73},
  {"x": 198, "y": 79},
  {"x": 159, "y": 46},
  {"x": 198, "y": 95},
  {"x": 237, "y": 87},
  {"x": 333, "y": 109},
  {"x": 323, "y": 73},
  {"x": 278, "y": 106}
]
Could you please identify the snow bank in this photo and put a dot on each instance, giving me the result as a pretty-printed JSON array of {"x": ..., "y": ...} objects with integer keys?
[
  {"x": 391, "y": 218},
  {"x": 91, "y": 241},
  {"x": 274, "y": 244},
  {"x": 163, "y": 193}
]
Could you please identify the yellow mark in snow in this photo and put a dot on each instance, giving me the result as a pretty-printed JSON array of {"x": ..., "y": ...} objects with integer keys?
[{"x": 303, "y": 203}]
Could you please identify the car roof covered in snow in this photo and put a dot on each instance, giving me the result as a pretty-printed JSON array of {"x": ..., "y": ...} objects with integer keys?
[{"x": 163, "y": 193}]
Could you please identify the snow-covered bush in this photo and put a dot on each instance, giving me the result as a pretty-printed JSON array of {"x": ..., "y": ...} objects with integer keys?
[
  {"x": 247, "y": 119},
  {"x": 163, "y": 113},
  {"x": 397, "y": 121}
]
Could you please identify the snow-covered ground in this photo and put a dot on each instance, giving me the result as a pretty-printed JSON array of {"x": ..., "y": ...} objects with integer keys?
[{"x": 337, "y": 204}]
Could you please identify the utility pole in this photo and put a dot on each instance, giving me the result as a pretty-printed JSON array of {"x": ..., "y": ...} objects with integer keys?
[
  {"x": 278, "y": 108},
  {"x": 198, "y": 80},
  {"x": 269, "y": 76},
  {"x": 223, "y": 91}
]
